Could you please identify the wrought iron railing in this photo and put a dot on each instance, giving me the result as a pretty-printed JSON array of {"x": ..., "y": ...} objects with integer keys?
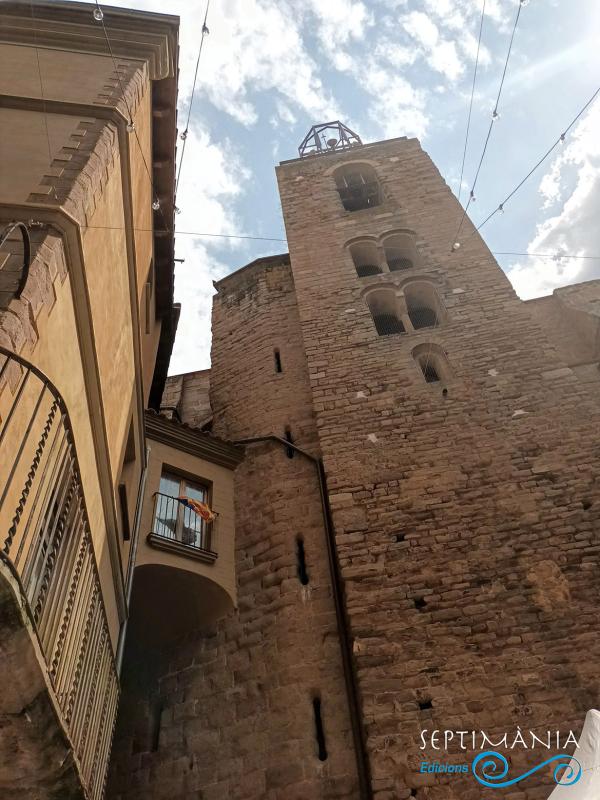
[
  {"x": 14, "y": 264},
  {"x": 46, "y": 542},
  {"x": 174, "y": 521}
]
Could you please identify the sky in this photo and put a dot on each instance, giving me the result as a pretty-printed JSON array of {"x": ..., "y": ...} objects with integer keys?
[{"x": 272, "y": 68}]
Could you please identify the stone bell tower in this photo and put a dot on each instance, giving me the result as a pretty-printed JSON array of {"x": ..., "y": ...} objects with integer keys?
[{"x": 462, "y": 465}]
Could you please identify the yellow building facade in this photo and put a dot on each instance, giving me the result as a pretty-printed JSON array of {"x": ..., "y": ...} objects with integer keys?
[{"x": 87, "y": 321}]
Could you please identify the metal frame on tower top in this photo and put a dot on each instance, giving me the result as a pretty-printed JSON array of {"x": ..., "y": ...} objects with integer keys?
[{"x": 328, "y": 137}]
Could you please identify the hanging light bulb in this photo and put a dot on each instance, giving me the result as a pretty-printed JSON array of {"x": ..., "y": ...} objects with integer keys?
[
  {"x": 524, "y": 2},
  {"x": 472, "y": 196},
  {"x": 456, "y": 245},
  {"x": 155, "y": 204},
  {"x": 205, "y": 28},
  {"x": 177, "y": 210},
  {"x": 495, "y": 115},
  {"x": 183, "y": 135},
  {"x": 563, "y": 137},
  {"x": 130, "y": 126},
  {"x": 501, "y": 208},
  {"x": 98, "y": 14}
]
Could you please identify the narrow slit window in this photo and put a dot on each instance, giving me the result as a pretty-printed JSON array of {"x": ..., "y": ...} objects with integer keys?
[
  {"x": 122, "y": 490},
  {"x": 277, "y": 358},
  {"x": 319, "y": 730},
  {"x": 289, "y": 451},
  {"x": 130, "y": 444},
  {"x": 301, "y": 558},
  {"x": 155, "y": 723}
]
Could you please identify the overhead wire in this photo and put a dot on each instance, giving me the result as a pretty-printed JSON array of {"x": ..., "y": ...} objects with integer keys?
[
  {"x": 462, "y": 167},
  {"x": 205, "y": 234},
  {"x": 494, "y": 118},
  {"x": 184, "y": 133},
  {"x": 500, "y": 208},
  {"x": 45, "y": 115},
  {"x": 185, "y": 233},
  {"x": 99, "y": 17},
  {"x": 559, "y": 256}
]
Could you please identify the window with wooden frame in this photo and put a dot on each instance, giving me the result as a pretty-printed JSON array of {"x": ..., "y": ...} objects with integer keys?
[{"x": 176, "y": 521}]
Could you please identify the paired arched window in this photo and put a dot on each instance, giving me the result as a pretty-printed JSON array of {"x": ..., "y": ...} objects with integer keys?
[
  {"x": 401, "y": 252},
  {"x": 433, "y": 363},
  {"x": 384, "y": 309},
  {"x": 393, "y": 251},
  {"x": 365, "y": 256},
  {"x": 414, "y": 307},
  {"x": 422, "y": 305},
  {"x": 357, "y": 186}
]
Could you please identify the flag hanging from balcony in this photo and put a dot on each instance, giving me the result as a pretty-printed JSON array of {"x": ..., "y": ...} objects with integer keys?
[{"x": 199, "y": 508}]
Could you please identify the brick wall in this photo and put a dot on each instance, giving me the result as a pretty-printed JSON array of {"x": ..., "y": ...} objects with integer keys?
[{"x": 466, "y": 523}]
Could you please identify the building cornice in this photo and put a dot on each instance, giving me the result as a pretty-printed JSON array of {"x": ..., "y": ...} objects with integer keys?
[
  {"x": 138, "y": 35},
  {"x": 192, "y": 441},
  {"x": 150, "y": 39}
]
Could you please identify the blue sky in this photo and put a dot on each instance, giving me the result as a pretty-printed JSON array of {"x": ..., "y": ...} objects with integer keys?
[{"x": 272, "y": 68}]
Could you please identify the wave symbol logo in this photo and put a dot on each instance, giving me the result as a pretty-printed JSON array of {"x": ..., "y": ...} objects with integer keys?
[{"x": 491, "y": 769}]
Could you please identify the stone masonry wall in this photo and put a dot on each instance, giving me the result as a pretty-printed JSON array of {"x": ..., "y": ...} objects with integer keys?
[
  {"x": 466, "y": 523},
  {"x": 236, "y": 701},
  {"x": 570, "y": 316},
  {"x": 188, "y": 397}
]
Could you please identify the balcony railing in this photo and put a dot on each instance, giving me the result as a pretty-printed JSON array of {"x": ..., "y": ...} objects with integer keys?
[
  {"x": 45, "y": 541},
  {"x": 179, "y": 526}
]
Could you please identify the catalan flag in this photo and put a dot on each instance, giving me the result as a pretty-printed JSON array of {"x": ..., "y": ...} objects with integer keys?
[{"x": 197, "y": 507}]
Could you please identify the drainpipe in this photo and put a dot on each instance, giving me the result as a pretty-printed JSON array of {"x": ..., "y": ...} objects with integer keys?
[
  {"x": 350, "y": 678},
  {"x": 131, "y": 561}
]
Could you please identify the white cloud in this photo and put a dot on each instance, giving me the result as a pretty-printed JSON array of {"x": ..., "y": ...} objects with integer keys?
[
  {"x": 397, "y": 106},
  {"x": 211, "y": 182},
  {"x": 405, "y": 68},
  {"x": 340, "y": 21},
  {"x": 395, "y": 54},
  {"x": 253, "y": 46},
  {"x": 440, "y": 54},
  {"x": 256, "y": 46},
  {"x": 574, "y": 230}
]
